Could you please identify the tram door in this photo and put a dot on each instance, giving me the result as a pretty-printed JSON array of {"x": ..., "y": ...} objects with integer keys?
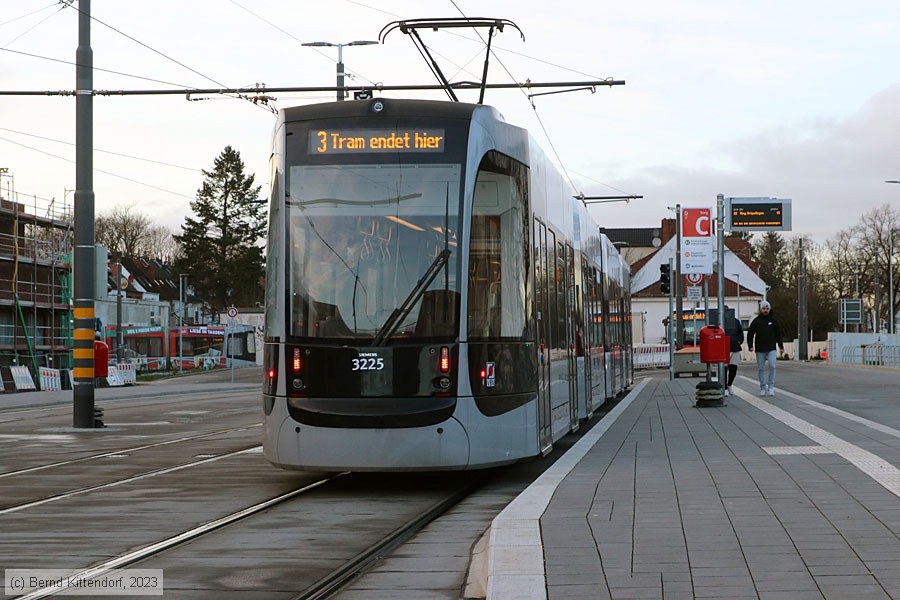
[
  {"x": 583, "y": 340},
  {"x": 541, "y": 296},
  {"x": 571, "y": 345}
]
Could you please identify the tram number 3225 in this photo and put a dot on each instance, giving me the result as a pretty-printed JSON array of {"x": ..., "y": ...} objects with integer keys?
[{"x": 364, "y": 363}]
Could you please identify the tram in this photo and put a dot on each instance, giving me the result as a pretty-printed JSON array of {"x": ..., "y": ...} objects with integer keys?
[{"x": 436, "y": 297}]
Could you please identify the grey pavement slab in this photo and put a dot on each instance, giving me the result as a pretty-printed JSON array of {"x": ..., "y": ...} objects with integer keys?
[{"x": 776, "y": 497}]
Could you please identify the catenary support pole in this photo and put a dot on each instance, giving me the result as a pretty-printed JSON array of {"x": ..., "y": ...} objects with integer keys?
[{"x": 83, "y": 347}]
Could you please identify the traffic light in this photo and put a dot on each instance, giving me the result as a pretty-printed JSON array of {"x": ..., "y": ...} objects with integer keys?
[{"x": 664, "y": 279}]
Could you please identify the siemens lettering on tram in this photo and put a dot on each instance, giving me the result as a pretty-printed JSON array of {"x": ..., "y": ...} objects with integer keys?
[{"x": 436, "y": 297}]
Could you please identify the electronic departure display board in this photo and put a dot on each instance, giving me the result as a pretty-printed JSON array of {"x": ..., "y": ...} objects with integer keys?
[
  {"x": 371, "y": 141},
  {"x": 757, "y": 214}
]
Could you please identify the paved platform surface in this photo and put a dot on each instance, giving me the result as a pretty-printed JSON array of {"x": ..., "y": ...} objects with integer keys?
[{"x": 795, "y": 496}]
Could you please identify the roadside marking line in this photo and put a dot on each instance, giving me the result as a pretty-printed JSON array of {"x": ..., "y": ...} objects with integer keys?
[
  {"x": 515, "y": 562},
  {"x": 842, "y": 413},
  {"x": 773, "y": 450},
  {"x": 871, "y": 464}
]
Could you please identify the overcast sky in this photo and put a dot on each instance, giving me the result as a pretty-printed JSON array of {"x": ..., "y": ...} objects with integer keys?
[{"x": 793, "y": 99}]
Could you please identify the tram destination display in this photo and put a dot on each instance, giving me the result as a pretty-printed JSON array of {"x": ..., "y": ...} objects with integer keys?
[
  {"x": 758, "y": 214},
  {"x": 369, "y": 141}
]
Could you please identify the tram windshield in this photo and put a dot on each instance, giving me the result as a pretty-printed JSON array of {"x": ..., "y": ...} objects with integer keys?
[{"x": 374, "y": 252}]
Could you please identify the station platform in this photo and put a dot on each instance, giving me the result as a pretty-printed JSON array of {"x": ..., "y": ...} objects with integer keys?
[{"x": 795, "y": 496}]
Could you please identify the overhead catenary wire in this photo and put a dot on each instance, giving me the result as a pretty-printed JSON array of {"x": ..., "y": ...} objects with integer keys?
[
  {"x": 111, "y": 174},
  {"x": 33, "y": 27},
  {"x": 150, "y": 48},
  {"x": 533, "y": 106},
  {"x": 537, "y": 116},
  {"x": 149, "y": 160},
  {"x": 26, "y": 15},
  {"x": 481, "y": 41},
  {"x": 348, "y": 72}
]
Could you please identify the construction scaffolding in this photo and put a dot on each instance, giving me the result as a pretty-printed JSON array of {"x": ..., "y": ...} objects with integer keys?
[{"x": 36, "y": 240}]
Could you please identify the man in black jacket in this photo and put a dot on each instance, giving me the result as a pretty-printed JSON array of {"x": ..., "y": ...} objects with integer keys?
[{"x": 766, "y": 333}]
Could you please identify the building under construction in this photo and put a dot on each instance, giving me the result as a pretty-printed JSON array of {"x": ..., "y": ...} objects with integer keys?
[{"x": 35, "y": 283}]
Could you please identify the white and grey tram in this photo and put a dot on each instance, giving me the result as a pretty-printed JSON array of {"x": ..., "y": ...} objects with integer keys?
[{"x": 435, "y": 296}]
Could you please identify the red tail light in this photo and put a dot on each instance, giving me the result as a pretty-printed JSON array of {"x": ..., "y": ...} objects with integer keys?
[
  {"x": 445, "y": 359},
  {"x": 295, "y": 363},
  {"x": 271, "y": 374}
]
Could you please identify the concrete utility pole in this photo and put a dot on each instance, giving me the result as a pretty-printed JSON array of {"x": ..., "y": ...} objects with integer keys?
[{"x": 83, "y": 352}]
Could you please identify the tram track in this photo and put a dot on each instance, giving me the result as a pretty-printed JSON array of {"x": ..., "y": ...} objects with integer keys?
[
  {"x": 342, "y": 576},
  {"x": 161, "y": 546},
  {"x": 339, "y": 576}
]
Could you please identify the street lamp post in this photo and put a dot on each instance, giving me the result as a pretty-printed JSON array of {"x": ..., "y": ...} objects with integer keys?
[
  {"x": 340, "y": 62},
  {"x": 738, "y": 309}
]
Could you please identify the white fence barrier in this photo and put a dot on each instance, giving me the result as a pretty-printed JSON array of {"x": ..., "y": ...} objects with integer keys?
[
  {"x": 22, "y": 378},
  {"x": 49, "y": 379},
  {"x": 127, "y": 373},
  {"x": 113, "y": 378},
  {"x": 650, "y": 356}
]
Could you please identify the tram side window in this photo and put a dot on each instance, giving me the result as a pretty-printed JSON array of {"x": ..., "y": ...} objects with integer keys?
[{"x": 498, "y": 251}]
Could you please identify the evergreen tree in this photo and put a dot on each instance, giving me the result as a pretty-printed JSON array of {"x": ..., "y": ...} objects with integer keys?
[
  {"x": 219, "y": 249},
  {"x": 770, "y": 254}
]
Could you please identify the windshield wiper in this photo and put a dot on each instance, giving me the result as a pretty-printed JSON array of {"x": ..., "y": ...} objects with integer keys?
[{"x": 393, "y": 322}]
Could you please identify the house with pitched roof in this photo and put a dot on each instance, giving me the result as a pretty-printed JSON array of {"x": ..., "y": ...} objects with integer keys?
[{"x": 648, "y": 248}]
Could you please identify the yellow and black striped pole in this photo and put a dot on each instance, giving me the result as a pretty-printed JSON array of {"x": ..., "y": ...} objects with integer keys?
[{"x": 83, "y": 347}]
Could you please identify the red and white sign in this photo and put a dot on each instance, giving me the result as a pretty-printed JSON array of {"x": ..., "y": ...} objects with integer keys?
[
  {"x": 232, "y": 312},
  {"x": 694, "y": 278},
  {"x": 696, "y": 241}
]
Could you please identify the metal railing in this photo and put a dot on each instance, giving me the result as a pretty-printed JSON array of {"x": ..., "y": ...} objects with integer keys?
[{"x": 873, "y": 355}]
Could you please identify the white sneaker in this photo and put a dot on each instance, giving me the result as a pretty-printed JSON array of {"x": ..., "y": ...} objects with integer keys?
[
  {"x": 762, "y": 391},
  {"x": 772, "y": 391},
  {"x": 727, "y": 392}
]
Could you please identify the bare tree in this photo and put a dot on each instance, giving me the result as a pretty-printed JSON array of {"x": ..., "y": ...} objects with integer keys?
[
  {"x": 129, "y": 233},
  {"x": 160, "y": 244},
  {"x": 858, "y": 257},
  {"x": 122, "y": 230}
]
